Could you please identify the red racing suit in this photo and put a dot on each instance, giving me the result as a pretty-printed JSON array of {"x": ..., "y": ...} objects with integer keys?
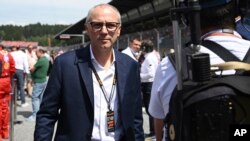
[{"x": 8, "y": 70}]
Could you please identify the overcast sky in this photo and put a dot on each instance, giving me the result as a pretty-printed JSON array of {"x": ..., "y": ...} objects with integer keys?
[{"x": 24, "y": 12}]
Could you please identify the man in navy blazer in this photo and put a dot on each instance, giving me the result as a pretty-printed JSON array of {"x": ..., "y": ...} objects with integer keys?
[{"x": 73, "y": 94}]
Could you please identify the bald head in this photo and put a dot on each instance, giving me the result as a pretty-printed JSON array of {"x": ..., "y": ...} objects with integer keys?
[{"x": 102, "y": 6}]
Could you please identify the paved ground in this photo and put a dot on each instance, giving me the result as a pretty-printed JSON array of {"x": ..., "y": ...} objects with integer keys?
[{"x": 24, "y": 131}]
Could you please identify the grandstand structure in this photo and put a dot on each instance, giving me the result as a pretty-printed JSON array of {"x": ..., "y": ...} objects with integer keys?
[{"x": 145, "y": 19}]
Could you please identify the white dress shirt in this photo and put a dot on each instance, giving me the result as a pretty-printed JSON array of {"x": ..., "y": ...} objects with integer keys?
[
  {"x": 149, "y": 66},
  {"x": 166, "y": 79},
  {"x": 21, "y": 60},
  {"x": 100, "y": 131},
  {"x": 32, "y": 58},
  {"x": 129, "y": 52}
]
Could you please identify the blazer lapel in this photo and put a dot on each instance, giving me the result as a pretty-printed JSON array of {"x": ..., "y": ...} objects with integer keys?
[
  {"x": 121, "y": 75},
  {"x": 83, "y": 61}
]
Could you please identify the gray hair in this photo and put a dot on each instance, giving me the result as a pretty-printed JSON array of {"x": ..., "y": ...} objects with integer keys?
[
  {"x": 103, "y": 5},
  {"x": 42, "y": 49}
]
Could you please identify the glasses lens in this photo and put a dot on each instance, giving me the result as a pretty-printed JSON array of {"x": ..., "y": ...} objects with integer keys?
[
  {"x": 96, "y": 25},
  {"x": 110, "y": 26}
]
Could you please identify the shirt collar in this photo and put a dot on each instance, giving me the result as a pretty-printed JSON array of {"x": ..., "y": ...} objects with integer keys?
[
  {"x": 219, "y": 30},
  {"x": 93, "y": 57}
]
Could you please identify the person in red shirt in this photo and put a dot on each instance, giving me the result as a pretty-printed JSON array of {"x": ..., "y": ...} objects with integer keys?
[{"x": 7, "y": 71}]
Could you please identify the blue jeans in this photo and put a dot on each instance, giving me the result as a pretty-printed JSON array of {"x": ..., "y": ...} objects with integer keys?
[
  {"x": 37, "y": 94},
  {"x": 19, "y": 76}
]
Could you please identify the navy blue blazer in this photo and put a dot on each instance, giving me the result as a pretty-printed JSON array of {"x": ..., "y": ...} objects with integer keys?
[{"x": 69, "y": 100}]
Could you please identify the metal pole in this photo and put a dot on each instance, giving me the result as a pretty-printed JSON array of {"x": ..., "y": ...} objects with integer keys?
[
  {"x": 128, "y": 41},
  {"x": 15, "y": 99},
  {"x": 178, "y": 53},
  {"x": 157, "y": 39},
  {"x": 12, "y": 110},
  {"x": 140, "y": 33},
  {"x": 83, "y": 37}
]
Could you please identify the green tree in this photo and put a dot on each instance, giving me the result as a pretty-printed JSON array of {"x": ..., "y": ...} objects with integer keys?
[
  {"x": 2, "y": 34},
  {"x": 33, "y": 32}
]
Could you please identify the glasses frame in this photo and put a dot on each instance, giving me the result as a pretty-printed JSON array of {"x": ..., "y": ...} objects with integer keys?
[{"x": 104, "y": 24}]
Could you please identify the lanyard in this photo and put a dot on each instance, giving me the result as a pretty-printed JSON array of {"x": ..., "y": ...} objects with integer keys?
[{"x": 108, "y": 99}]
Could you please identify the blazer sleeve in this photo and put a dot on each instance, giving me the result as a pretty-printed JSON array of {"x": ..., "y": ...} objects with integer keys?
[{"x": 49, "y": 108}]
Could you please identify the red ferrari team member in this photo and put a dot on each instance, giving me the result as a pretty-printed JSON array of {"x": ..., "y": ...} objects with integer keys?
[{"x": 7, "y": 71}]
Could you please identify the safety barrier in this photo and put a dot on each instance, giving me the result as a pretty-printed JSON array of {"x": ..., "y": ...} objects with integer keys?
[{"x": 13, "y": 109}]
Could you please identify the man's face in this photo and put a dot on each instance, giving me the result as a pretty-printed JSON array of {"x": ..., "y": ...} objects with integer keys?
[
  {"x": 14, "y": 48},
  {"x": 38, "y": 53},
  {"x": 103, "y": 28},
  {"x": 135, "y": 45},
  {"x": 30, "y": 48}
]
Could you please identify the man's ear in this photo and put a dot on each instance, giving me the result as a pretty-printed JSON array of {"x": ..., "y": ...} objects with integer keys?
[{"x": 119, "y": 31}]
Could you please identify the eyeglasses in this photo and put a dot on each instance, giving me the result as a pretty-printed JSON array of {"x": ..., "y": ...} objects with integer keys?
[{"x": 110, "y": 26}]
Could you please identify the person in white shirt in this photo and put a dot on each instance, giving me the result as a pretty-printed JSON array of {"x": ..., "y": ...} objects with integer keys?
[
  {"x": 133, "y": 50},
  {"x": 213, "y": 20},
  {"x": 32, "y": 59},
  {"x": 22, "y": 69},
  {"x": 148, "y": 68}
]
